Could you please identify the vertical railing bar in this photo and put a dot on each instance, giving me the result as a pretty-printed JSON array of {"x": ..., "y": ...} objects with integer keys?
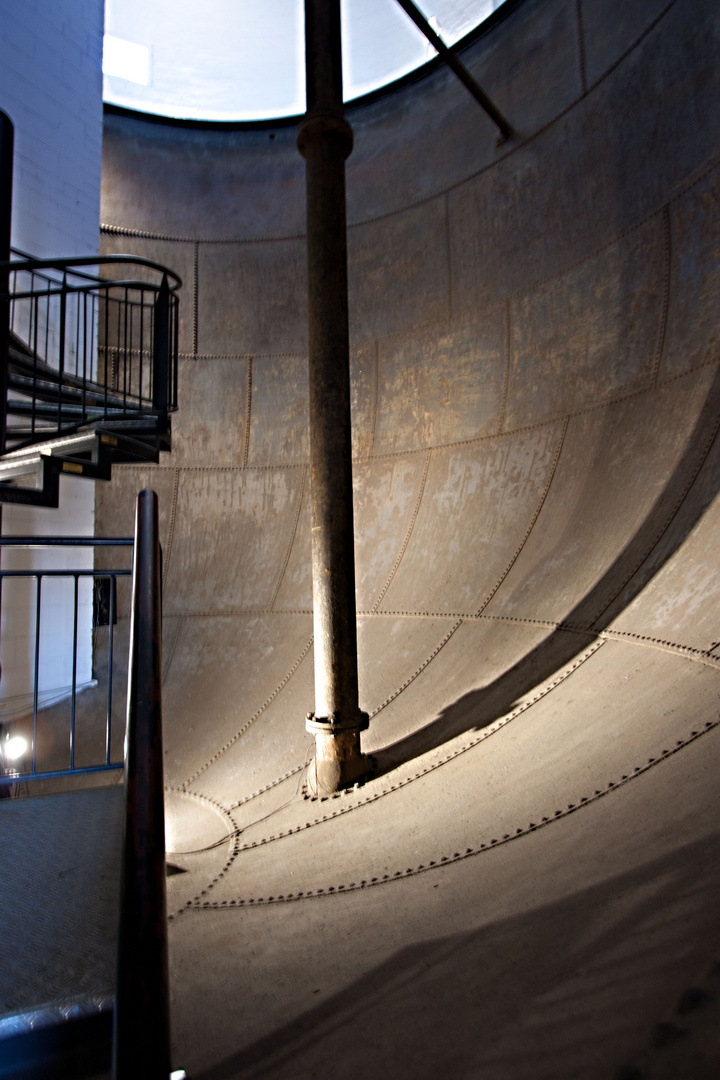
[
  {"x": 113, "y": 581},
  {"x": 118, "y": 350},
  {"x": 84, "y": 296},
  {"x": 74, "y": 677},
  {"x": 36, "y": 322},
  {"x": 161, "y": 348},
  {"x": 77, "y": 330},
  {"x": 125, "y": 363},
  {"x": 131, "y": 315},
  {"x": 107, "y": 346},
  {"x": 61, "y": 347},
  {"x": 128, "y": 345},
  {"x": 36, "y": 682},
  {"x": 92, "y": 337},
  {"x": 47, "y": 321},
  {"x": 176, "y": 348},
  {"x": 141, "y": 342}
]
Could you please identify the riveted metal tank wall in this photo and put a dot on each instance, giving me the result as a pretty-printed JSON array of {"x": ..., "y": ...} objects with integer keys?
[{"x": 536, "y": 393}]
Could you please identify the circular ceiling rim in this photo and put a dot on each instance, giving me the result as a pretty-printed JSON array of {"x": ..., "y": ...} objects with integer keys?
[{"x": 418, "y": 74}]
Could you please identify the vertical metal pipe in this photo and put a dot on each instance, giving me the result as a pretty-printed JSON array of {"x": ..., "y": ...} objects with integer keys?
[
  {"x": 7, "y": 136},
  {"x": 141, "y": 1039},
  {"x": 36, "y": 675},
  {"x": 73, "y": 696},
  {"x": 325, "y": 141},
  {"x": 108, "y": 726}
]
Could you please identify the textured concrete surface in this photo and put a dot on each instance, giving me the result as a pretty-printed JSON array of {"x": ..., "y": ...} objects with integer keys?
[
  {"x": 529, "y": 881},
  {"x": 61, "y": 888}
]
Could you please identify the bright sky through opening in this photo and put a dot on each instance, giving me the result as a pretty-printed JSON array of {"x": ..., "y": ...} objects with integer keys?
[{"x": 244, "y": 59}]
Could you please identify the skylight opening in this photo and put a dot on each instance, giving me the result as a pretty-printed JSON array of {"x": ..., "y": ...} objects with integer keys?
[
  {"x": 126, "y": 60},
  {"x": 230, "y": 60}
]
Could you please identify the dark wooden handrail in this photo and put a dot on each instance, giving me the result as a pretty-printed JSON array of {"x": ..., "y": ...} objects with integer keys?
[{"x": 141, "y": 1037}]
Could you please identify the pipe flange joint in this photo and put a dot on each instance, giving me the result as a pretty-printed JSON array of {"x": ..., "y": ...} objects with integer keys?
[
  {"x": 333, "y": 725},
  {"x": 325, "y": 125}
]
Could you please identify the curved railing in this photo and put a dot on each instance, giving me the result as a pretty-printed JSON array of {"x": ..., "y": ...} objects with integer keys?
[{"x": 86, "y": 343}]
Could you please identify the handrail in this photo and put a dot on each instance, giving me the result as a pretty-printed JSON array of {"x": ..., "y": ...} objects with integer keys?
[
  {"x": 111, "y": 344},
  {"x": 141, "y": 1034},
  {"x": 84, "y": 348},
  {"x": 14, "y": 775},
  {"x": 66, "y": 541},
  {"x": 31, "y": 264}
]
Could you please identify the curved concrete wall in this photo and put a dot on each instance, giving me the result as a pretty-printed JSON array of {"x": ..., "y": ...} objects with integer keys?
[{"x": 535, "y": 401}]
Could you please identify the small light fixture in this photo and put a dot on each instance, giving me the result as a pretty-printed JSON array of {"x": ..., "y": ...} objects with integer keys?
[{"x": 14, "y": 747}]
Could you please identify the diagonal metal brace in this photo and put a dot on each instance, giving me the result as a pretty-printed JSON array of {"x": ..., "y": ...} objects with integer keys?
[{"x": 457, "y": 67}]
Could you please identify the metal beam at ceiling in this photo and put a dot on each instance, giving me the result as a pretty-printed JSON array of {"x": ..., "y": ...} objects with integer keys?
[{"x": 449, "y": 57}]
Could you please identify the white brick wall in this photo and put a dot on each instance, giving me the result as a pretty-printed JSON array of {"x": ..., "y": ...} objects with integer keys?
[{"x": 51, "y": 87}]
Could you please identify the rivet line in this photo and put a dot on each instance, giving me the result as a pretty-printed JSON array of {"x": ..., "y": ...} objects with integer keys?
[{"x": 457, "y": 856}]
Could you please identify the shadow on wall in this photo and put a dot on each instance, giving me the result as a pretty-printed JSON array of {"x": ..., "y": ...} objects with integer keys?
[
  {"x": 658, "y": 538},
  {"x": 486, "y": 977}
]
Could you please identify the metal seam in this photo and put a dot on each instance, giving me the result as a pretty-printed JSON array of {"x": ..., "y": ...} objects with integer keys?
[
  {"x": 581, "y": 47},
  {"x": 508, "y": 360},
  {"x": 419, "y": 671},
  {"x": 171, "y": 528},
  {"x": 670, "y": 517},
  {"x": 665, "y": 313},
  {"x": 597, "y": 641},
  {"x": 195, "y": 294},
  {"x": 446, "y": 860},
  {"x": 375, "y": 399},
  {"x": 286, "y": 560},
  {"x": 227, "y": 812},
  {"x": 248, "y": 410},
  {"x": 448, "y": 255},
  {"x": 468, "y": 314},
  {"x": 689, "y": 652},
  {"x": 127, "y": 231},
  {"x": 233, "y": 835},
  {"x": 408, "y": 534},
  {"x": 543, "y": 497},
  {"x": 170, "y": 653},
  {"x": 473, "y": 313},
  {"x": 253, "y": 718},
  {"x": 618, "y": 400},
  {"x": 231, "y": 613},
  {"x": 144, "y": 234},
  {"x": 491, "y": 729}
]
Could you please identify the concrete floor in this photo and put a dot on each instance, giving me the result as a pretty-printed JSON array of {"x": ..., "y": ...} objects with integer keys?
[{"x": 529, "y": 885}]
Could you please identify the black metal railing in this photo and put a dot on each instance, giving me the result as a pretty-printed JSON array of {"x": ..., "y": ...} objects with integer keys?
[
  {"x": 45, "y": 719},
  {"x": 141, "y": 1027},
  {"x": 86, "y": 345},
  {"x": 141, "y": 1037}
]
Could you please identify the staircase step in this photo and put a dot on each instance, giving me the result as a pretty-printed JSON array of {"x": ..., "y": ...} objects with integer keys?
[
  {"x": 30, "y": 475},
  {"x": 48, "y": 392}
]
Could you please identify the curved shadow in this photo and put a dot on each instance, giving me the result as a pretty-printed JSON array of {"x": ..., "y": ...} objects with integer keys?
[
  {"x": 466, "y": 975},
  {"x": 688, "y": 492}
]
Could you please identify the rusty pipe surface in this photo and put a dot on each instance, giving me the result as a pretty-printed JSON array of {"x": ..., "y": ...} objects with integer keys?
[
  {"x": 141, "y": 1036},
  {"x": 325, "y": 141}
]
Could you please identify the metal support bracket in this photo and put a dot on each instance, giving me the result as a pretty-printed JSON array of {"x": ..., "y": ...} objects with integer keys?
[{"x": 459, "y": 69}]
